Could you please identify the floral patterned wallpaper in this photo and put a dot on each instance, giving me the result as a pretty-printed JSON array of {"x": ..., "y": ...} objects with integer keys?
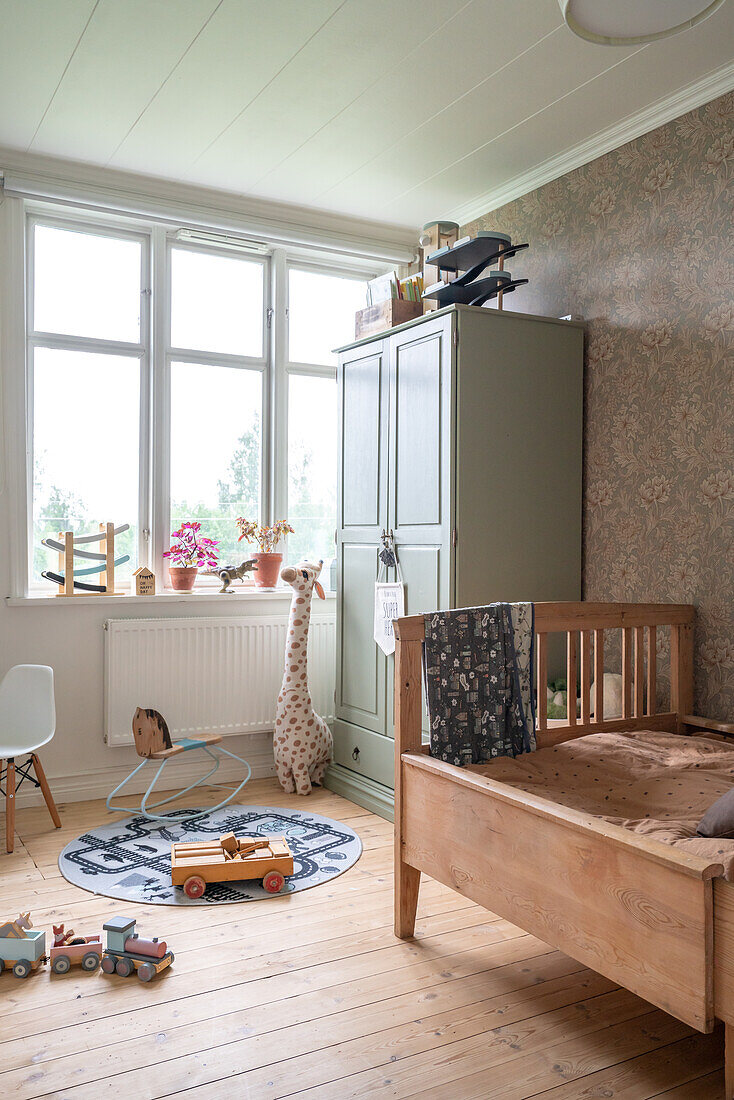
[{"x": 639, "y": 244}]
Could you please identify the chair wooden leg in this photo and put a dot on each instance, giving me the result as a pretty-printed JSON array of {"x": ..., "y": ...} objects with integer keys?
[
  {"x": 10, "y": 805},
  {"x": 407, "y": 882},
  {"x": 729, "y": 1061},
  {"x": 41, "y": 776}
]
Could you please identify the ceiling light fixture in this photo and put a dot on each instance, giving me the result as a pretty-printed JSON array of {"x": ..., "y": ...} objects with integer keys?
[{"x": 630, "y": 22}]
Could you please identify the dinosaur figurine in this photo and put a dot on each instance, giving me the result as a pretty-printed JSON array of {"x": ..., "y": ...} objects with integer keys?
[{"x": 229, "y": 573}]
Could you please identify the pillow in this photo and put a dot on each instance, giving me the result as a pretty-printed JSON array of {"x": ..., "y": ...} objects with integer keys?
[{"x": 718, "y": 821}]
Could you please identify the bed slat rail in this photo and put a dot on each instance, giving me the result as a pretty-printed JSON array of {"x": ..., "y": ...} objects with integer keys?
[
  {"x": 584, "y": 625},
  {"x": 585, "y": 660},
  {"x": 585, "y": 677}
]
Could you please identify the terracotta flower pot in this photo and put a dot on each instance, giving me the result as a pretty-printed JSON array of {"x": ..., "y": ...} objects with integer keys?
[
  {"x": 267, "y": 570},
  {"x": 183, "y": 577}
]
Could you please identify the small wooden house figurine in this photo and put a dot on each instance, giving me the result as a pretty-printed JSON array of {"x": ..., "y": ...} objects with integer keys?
[{"x": 144, "y": 581}]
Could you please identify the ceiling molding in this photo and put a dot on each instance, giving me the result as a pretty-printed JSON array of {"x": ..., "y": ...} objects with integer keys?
[
  {"x": 127, "y": 193},
  {"x": 642, "y": 122}
]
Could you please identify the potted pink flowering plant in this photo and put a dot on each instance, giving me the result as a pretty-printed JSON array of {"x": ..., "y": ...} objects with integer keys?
[
  {"x": 266, "y": 538},
  {"x": 189, "y": 553}
]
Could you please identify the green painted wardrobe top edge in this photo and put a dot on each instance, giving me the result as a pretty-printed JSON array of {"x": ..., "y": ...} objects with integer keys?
[{"x": 497, "y": 313}]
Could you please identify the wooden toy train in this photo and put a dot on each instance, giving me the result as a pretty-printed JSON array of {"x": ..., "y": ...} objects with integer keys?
[
  {"x": 23, "y": 949},
  {"x": 126, "y": 951}
]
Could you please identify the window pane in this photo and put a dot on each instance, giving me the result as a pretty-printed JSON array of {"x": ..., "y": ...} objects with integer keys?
[
  {"x": 86, "y": 411},
  {"x": 312, "y": 450},
  {"x": 216, "y": 303},
  {"x": 321, "y": 311},
  {"x": 215, "y": 451},
  {"x": 86, "y": 284}
]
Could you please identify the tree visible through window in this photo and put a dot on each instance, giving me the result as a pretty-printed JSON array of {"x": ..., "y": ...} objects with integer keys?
[{"x": 215, "y": 450}]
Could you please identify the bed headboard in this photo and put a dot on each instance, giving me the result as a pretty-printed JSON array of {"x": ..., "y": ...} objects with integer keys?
[{"x": 584, "y": 625}]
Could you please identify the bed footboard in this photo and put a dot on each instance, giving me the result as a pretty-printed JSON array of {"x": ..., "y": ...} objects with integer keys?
[{"x": 635, "y": 910}]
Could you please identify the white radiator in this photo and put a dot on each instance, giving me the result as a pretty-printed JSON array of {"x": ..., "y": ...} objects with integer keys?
[{"x": 207, "y": 675}]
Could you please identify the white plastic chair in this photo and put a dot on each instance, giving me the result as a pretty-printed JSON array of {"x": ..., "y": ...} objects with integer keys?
[{"x": 27, "y": 721}]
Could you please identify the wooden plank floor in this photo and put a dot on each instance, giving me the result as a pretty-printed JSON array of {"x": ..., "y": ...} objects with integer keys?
[{"x": 310, "y": 995}]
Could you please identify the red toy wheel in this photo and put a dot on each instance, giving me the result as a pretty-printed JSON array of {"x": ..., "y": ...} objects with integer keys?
[
  {"x": 108, "y": 965},
  {"x": 146, "y": 972},
  {"x": 124, "y": 967},
  {"x": 273, "y": 882},
  {"x": 194, "y": 886}
]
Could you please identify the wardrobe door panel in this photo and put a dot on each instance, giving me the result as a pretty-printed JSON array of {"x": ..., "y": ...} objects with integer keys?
[
  {"x": 420, "y": 475},
  {"x": 361, "y": 436},
  {"x": 361, "y": 671},
  {"x": 421, "y": 566},
  {"x": 417, "y": 422},
  {"x": 426, "y": 589}
]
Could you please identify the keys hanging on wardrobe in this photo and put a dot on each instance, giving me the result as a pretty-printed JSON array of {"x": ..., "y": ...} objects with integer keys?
[{"x": 389, "y": 595}]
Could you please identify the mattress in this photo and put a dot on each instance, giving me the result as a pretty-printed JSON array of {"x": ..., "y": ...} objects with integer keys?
[{"x": 653, "y": 783}]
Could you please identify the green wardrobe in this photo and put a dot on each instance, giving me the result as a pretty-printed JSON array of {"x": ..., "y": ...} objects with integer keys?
[{"x": 462, "y": 433}]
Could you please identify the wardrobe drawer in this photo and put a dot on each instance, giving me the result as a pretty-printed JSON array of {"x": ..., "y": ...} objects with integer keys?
[{"x": 364, "y": 752}]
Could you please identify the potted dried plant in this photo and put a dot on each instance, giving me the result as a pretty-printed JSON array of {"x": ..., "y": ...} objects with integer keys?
[
  {"x": 266, "y": 538},
  {"x": 189, "y": 552}
]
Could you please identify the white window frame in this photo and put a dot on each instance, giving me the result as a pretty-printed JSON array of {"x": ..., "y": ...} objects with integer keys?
[
  {"x": 287, "y": 367},
  {"x": 166, "y": 242},
  {"x": 141, "y": 351},
  {"x": 156, "y": 354}
]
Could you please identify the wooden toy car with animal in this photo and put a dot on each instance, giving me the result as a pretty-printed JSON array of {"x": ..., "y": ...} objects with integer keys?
[
  {"x": 127, "y": 951},
  {"x": 69, "y": 949},
  {"x": 195, "y": 865},
  {"x": 21, "y": 948}
]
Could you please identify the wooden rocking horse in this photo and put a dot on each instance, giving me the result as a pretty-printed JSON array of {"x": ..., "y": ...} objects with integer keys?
[{"x": 153, "y": 742}]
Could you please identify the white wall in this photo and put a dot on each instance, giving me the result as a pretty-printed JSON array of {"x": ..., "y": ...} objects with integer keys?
[{"x": 68, "y": 635}]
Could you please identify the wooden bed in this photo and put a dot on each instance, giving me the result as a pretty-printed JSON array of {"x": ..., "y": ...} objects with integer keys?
[{"x": 649, "y": 916}]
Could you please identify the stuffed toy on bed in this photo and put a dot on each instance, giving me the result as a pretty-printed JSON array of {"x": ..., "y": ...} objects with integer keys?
[{"x": 557, "y": 696}]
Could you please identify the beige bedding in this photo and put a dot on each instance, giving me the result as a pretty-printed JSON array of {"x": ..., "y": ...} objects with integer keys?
[{"x": 657, "y": 784}]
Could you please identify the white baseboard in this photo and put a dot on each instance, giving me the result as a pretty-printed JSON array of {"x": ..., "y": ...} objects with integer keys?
[{"x": 177, "y": 774}]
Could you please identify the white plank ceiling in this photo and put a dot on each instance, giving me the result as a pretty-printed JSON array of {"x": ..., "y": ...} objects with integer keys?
[{"x": 397, "y": 110}]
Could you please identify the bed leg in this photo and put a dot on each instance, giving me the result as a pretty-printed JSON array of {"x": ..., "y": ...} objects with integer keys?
[
  {"x": 409, "y": 634},
  {"x": 729, "y": 1061},
  {"x": 407, "y": 882}
]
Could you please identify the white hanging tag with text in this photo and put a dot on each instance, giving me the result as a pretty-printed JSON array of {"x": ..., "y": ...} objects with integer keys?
[{"x": 389, "y": 605}]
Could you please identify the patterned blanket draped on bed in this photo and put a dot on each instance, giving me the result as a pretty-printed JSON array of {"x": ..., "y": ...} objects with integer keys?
[{"x": 479, "y": 670}]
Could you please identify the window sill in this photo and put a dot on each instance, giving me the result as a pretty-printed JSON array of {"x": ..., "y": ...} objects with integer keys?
[{"x": 162, "y": 599}]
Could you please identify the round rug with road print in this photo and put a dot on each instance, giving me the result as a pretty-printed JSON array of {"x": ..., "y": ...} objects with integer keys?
[{"x": 130, "y": 859}]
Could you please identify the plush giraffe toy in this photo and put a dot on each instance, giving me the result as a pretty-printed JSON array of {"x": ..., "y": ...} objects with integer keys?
[{"x": 302, "y": 741}]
